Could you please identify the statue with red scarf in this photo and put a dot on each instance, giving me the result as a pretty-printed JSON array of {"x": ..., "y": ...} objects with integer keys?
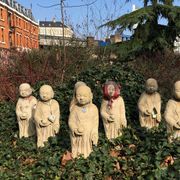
[{"x": 113, "y": 110}]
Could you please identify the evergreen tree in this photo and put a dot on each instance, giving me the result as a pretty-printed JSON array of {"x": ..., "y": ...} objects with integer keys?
[{"x": 149, "y": 35}]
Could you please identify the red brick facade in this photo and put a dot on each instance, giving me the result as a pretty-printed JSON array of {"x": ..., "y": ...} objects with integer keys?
[{"x": 16, "y": 29}]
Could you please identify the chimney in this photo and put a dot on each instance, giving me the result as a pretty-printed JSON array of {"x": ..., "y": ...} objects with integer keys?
[
  {"x": 90, "y": 41},
  {"x": 117, "y": 38},
  {"x": 112, "y": 39},
  {"x": 107, "y": 40},
  {"x": 54, "y": 20}
]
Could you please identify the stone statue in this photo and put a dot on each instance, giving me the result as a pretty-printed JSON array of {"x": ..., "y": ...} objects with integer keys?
[
  {"x": 24, "y": 111},
  {"x": 74, "y": 101},
  {"x": 172, "y": 114},
  {"x": 83, "y": 123},
  {"x": 149, "y": 105},
  {"x": 113, "y": 110},
  {"x": 47, "y": 115}
]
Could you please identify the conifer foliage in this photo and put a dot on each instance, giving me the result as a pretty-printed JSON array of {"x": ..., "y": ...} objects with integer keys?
[{"x": 149, "y": 35}]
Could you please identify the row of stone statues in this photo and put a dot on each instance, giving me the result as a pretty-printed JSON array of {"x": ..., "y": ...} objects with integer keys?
[
  {"x": 43, "y": 116},
  {"x": 40, "y": 117},
  {"x": 149, "y": 106}
]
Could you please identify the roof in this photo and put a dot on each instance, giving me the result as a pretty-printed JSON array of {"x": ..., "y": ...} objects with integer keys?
[
  {"x": 51, "y": 24},
  {"x": 19, "y": 8}
]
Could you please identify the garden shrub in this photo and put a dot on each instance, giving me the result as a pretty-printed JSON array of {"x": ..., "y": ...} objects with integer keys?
[
  {"x": 138, "y": 154},
  {"x": 164, "y": 67},
  {"x": 41, "y": 65}
]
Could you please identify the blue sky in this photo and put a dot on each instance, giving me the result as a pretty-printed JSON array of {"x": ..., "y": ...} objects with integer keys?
[{"x": 98, "y": 13}]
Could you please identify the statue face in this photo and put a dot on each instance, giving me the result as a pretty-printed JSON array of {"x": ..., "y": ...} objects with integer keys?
[
  {"x": 46, "y": 94},
  {"x": 111, "y": 90},
  {"x": 177, "y": 90},
  {"x": 82, "y": 96},
  {"x": 151, "y": 86},
  {"x": 25, "y": 91}
]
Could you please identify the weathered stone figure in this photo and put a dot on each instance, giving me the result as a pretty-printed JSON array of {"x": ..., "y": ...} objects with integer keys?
[
  {"x": 83, "y": 123},
  {"x": 74, "y": 101},
  {"x": 172, "y": 114},
  {"x": 149, "y": 105},
  {"x": 24, "y": 111},
  {"x": 47, "y": 115},
  {"x": 113, "y": 110}
]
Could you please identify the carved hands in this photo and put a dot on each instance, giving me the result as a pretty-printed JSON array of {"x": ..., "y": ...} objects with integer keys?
[
  {"x": 157, "y": 117},
  {"x": 23, "y": 116},
  {"x": 177, "y": 125},
  {"x": 110, "y": 118},
  {"x": 147, "y": 113},
  {"x": 77, "y": 132},
  {"x": 44, "y": 123},
  {"x": 51, "y": 118}
]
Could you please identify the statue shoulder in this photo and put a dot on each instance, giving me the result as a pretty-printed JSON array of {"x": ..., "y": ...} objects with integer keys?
[
  {"x": 74, "y": 109},
  {"x": 93, "y": 107},
  {"x": 171, "y": 102},
  {"x": 39, "y": 104},
  {"x": 33, "y": 99},
  {"x": 143, "y": 94},
  {"x": 157, "y": 94},
  {"x": 120, "y": 98},
  {"x": 19, "y": 100},
  {"x": 53, "y": 101},
  {"x": 104, "y": 101}
]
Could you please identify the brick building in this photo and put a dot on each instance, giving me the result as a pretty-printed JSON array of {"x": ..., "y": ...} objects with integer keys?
[{"x": 18, "y": 28}]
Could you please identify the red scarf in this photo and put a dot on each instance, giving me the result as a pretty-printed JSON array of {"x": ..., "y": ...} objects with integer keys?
[{"x": 116, "y": 93}]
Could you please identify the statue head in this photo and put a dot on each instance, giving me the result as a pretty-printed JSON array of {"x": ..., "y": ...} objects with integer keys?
[
  {"x": 111, "y": 90},
  {"x": 25, "y": 90},
  {"x": 151, "y": 86},
  {"x": 79, "y": 83},
  {"x": 46, "y": 92},
  {"x": 177, "y": 90},
  {"x": 84, "y": 95}
]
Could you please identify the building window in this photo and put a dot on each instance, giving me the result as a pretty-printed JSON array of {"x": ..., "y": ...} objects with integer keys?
[
  {"x": 17, "y": 39},
  {"x": 19, "y": 22},
  {"x": 20, "y": 40},
  {"x": 2, "y": 35},
  {"x": 24, "y": 41},
  {"x": 27, "y": 42},
  {"x": 27, "y": 26},
  {"x": 1, "y": 13},
  {"x": 16, "y": 21},
  {"x": 9, "y": 19},
  {"x": 10, "y": 39}
]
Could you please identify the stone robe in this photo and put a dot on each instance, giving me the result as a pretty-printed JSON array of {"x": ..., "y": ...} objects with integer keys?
[
  {"x": 86, "y": 118},
  {"x": 172, "y": 118},
  {"x": 44, "y": 127},
  {"x": 147, "y": 102},
  {"x": 114, "y": 129},
  {"x": 24, "y": 112}
]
